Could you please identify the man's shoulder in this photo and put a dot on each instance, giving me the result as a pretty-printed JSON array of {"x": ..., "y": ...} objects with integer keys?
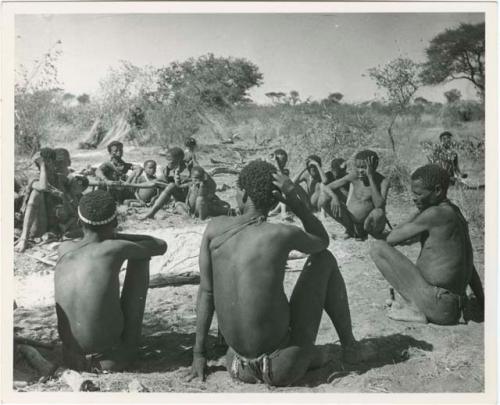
[{"x": 437, "y": 214}]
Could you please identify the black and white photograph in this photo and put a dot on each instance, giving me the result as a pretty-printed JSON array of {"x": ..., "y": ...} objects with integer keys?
[{"x": 241, "y": 200}]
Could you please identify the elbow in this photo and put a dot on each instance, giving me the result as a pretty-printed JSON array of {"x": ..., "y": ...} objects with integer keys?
[{"x": 162, "y": 246}]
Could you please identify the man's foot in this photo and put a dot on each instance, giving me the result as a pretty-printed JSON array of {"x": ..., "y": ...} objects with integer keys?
[
  {"x": 359, "y": 352},
  {"x": 143, "y": 217},
  {"x": 405, "y": 313}
]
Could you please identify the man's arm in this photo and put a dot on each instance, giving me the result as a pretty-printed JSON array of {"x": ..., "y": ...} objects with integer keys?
[
  {"x": 423, "y": 222},
  {"x": 204, "y": 308},
  {"x": 100, "y": 171},
  {"x": 315, "y": 238},
  {"x": 477, "y": 287},
  {"x": 139, "y": 246},
  {"x": 299, "y": 178},
  {"x": 348, "y": 178}
]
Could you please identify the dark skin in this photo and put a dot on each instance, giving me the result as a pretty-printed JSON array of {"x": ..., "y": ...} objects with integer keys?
[
  {"x": 313, "y": 175},
  {"x": 445, "y": 261},
  {"x": 281, "y": 160},
  {"x": 92, "y": 316},
  {"x": 368, "y": 191},
  {"x": 145, "y": 195},
  {"x": 242, "y": 280}
]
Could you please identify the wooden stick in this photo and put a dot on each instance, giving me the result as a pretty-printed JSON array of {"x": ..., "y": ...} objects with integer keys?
[
  {"x": 42, "y": 260},
  {"x": 223, "y": 170},
  {"x": 162, "y": 280},
  {"x": 122, "y": 184}
]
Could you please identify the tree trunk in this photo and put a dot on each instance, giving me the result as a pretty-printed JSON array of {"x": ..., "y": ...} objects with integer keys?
[{"x": 391, "y": 136}]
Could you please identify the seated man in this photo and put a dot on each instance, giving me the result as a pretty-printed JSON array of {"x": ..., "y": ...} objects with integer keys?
[
  {"x": 281, "y": 158},
  {"x": 434, "y": 287},
  {"x": 337, "y": 171},
  {"x": 364, "y": 211},
  {"x": 177, "y": 184},
  {"x": 313, "y": 176},
  {"x": 40, "y": 199},
  {"x": 242, "y": 268},
  {"x": 145, "y": 196},
  {"x": 62, "y": 162},
  {"x": 116, "y": 169},
  {"x": 445, "y": 155},
  {"x": 99, "y": 329},
  {"x": 201, "y": 200}
]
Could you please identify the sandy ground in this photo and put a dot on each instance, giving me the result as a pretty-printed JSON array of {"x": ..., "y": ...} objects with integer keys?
[{"x": 411, "y": 357}]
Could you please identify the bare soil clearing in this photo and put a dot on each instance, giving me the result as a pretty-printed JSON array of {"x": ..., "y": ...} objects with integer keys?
[{"x": 411, "y": 357}]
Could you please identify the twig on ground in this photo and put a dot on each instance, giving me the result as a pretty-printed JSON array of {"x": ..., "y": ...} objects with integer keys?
[{"x": 42, "y": 260}]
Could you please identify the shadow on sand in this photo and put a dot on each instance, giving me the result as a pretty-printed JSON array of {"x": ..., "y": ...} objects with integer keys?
[{"x": 391, "y": 349}]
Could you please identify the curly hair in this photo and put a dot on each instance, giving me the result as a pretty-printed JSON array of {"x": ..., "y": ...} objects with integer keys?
[
  {"x": 281, "y": 152},
  {"x": 337, "y": 164},
  {"x": 176, "y": 153},
  {"x": 118, "y": 144},
  {"x": 316, "y": 158},
  {"x": 256, "y": 178},
  {"x": 48, "y": 154},
  {"x": 149, "y": 161},
  {"x": 431, "y": 176},
  {"x": 367, "y": 154},
  {"x": 97, "y": 206},
  {"x": 445, "y": 133},
  {"x": 82, "y": 180},
  {"x": 190, "y": 142}
]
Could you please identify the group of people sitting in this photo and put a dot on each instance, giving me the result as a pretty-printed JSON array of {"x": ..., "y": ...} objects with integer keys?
[
  {"x": 242, "y": 263},
  {"x": 182, "y": 181}
]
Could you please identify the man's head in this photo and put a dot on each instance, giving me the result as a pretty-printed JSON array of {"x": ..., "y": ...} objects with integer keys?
[
  {"x": 198, "y": 175},
  {"x": 429, "y": 185},
  {"x": 190, "y": 143},
  {"x": 445, "y": 138},
  {"x": 174, "y": 157},
  {"x": 150, "y": 167},
  {"x": 62, "y": 160},
  {"x": 97, "y": 213},
  {"x": 360, "y": 162},
  {"x": 338, "y": 168},
  {"x": 280, "y": 156},
  {"x": 312, "y": 169},
  {"x": 115, "y": 149},
  {"x": 78, "y": 184},
  {"x": 255, "y": 182}
]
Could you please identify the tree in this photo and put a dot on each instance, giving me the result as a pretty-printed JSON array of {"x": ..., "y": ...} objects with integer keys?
[
  {"x": 214, "y": 82},
  {"x": 452, "y": 95},
  {"x": 35, "y": 91},
  {"x": 83, "y": 98},
  {"x": 457, "y": 54},
  {"x": 400, "y": 78}
]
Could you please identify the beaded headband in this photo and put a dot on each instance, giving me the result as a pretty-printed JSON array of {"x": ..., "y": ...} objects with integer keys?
[{"x": 103, "y": 222}]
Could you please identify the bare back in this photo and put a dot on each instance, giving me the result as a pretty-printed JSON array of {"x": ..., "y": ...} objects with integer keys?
[
  {"x": 87, "y": 295},
  {"x": 446, "y": 258},
  {"x": 248, "y": 262}
]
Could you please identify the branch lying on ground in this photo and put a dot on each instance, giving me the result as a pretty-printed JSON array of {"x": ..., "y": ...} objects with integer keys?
[{"x": 163, "y": 280}]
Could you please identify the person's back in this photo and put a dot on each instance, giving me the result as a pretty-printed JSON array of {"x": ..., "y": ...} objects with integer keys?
[
  {"x": 99, "y": 327},
  {"x": 250, "y": 280},
  {"x": 86, "y": 283},
  {"x": 446, "y": 258}
]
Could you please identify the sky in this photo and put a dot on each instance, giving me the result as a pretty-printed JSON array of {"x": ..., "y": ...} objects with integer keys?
[{"x": 314, "y": 54}]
